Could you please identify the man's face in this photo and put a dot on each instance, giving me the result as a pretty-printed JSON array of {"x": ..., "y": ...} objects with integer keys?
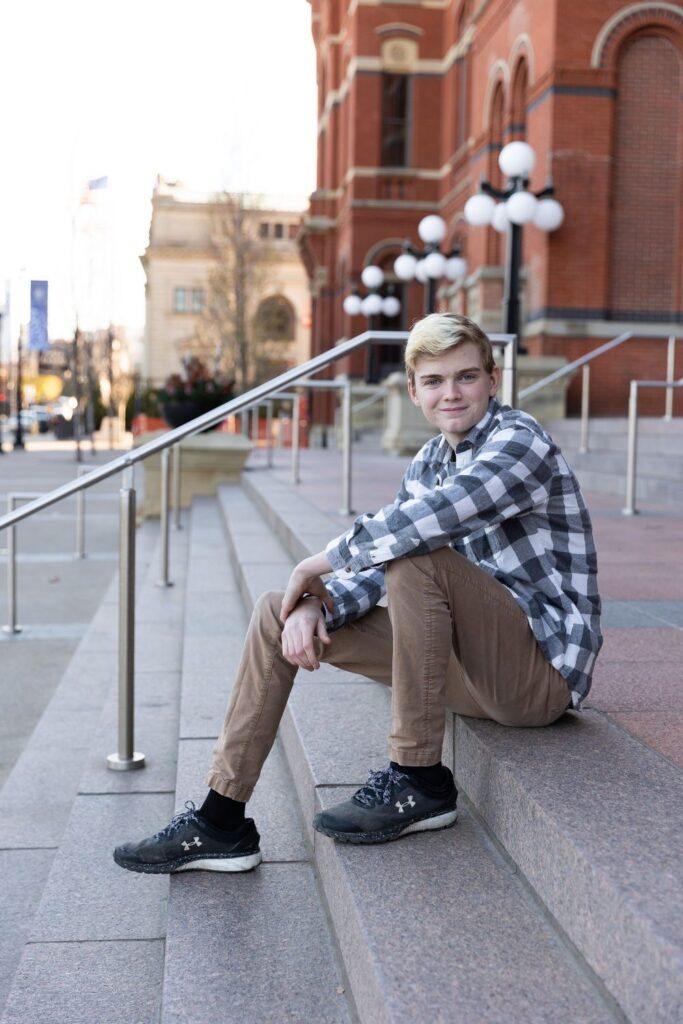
[{"x": 453, "y": 390}]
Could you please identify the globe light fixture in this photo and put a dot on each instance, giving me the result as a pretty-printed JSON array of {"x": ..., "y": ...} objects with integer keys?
[
  {"x": 352, "y": 304},
  {"x": 432, "y": 229},
  {"x": 391, "y": 306},
  {"x": 517, "y": 205},
  {"x": 372, "y": 277},
  {"x": 371, "y": 304},
  {"x": 429, "y": 265}
]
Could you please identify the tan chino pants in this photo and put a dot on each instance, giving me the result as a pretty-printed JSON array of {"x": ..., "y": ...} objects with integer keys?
[{"x": 452, "y": 638}]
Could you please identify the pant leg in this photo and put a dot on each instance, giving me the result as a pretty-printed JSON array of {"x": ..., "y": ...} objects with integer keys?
[
  {"x": 264, "y": 681},
  {"x": 443, "y": 606}
]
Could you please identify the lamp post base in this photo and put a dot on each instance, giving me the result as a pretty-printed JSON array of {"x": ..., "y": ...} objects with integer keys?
[{"x": 122, "y": 764}]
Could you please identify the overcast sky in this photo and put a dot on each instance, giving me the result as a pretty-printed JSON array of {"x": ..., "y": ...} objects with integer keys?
[{"x": 217, "y": 93}]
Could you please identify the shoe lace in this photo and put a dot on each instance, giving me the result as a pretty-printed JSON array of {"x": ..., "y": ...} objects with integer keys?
[
  {"x": 179, "y": 819},
  {"x": 378, "y": 788}
]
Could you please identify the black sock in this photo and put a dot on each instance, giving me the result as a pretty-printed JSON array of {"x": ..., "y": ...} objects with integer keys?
[
  {"x": 222, "y": 812},
  {"x": 431, "y": 775}
]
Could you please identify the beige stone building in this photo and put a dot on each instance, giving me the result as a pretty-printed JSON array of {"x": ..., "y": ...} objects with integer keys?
[{"x": 180, "y": 259}]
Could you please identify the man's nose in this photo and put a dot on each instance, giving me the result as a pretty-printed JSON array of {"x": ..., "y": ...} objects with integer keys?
[{"x": 453, "y": 388}]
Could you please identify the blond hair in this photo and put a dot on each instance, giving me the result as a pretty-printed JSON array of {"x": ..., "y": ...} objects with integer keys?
[{"x": 439, "y": 332}]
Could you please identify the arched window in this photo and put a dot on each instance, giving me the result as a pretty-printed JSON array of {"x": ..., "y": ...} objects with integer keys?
[
  {"x": 494, "y": 247},
  {"x": 274, "y": 319},
  {"x": 518, "y": 100},
  {"x": 462, "y": 62},
  {"x": 646, "y": 189}
]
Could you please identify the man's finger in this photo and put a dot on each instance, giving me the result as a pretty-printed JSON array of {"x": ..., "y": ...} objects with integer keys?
[{"x": 322, "y": 631}]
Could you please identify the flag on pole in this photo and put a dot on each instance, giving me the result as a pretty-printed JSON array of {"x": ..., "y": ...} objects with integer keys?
[
  {"x": 37, "y": 333},
  {"x": 88, "y": 193}
]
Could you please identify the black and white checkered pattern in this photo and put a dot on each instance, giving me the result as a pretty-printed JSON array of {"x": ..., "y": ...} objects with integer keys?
[{"x": 507, "y": 500}]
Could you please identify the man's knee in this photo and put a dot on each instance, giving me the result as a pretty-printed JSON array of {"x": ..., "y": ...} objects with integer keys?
[{"x": 266, "y": 612}]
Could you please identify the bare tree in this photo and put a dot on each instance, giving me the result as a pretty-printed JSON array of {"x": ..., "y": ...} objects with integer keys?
[{"x": 238, "y": 279}]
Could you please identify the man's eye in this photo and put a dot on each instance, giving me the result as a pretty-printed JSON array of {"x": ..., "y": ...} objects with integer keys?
[
  {"x": 431, "y": 382},
  {"x": 468, "y": 377}
]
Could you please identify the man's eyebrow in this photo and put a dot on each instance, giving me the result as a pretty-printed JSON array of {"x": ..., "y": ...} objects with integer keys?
[{"x": 438, "y": 373}]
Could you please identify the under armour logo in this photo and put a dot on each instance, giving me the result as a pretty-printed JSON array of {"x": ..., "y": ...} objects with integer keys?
[
  {"x": 195, "y": 842},
  {"x": 409, "y": 803}
]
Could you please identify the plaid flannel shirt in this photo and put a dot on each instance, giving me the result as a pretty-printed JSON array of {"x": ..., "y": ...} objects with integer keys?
[{"x": 507, "y": 500}]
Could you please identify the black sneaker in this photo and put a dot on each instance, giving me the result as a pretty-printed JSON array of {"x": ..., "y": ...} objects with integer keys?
[
  {"x": 389, "y": 805},
  {"x": 189, "y": 843}
]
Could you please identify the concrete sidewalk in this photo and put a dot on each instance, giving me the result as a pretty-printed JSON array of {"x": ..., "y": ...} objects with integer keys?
[{"x": 638, "y": 676}]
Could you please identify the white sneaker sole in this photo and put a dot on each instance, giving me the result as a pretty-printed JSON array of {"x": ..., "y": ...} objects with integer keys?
[
  {"x": 246, "y": 863},
  {"x": 440, "y": 821}
]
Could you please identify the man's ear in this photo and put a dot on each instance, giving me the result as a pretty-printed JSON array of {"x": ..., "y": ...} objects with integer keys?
[
  {"x": 495, "y": 380},
  {"x": 412, "y": 392}
]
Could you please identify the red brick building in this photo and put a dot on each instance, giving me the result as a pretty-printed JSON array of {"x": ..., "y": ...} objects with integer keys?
[{"x": 416, "y": 99}]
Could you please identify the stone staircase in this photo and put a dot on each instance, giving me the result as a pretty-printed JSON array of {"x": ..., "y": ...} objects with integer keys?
[
  {"x": 602, "y": 469},
  {"x": 555, "y": 898}
]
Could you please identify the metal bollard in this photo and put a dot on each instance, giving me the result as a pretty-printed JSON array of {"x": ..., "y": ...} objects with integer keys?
[
  {"x": 126, "y": 759},
  {"x": 176, "y": 487},
  {"x": 585, "y": 399},
  {"x": 296, "y": 415},
  {"x": 347, "y": 441},
  {"x": 165, "y": 494}
]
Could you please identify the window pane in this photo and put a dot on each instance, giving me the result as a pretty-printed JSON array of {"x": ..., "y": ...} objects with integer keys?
[
  {"x": 263, "y": 230},
  {"x": 279, "y": 231},
  {"x": 197, "y": 300},
  {"x": 179, "y": 300},
  {"x": 394, "y": 120}
]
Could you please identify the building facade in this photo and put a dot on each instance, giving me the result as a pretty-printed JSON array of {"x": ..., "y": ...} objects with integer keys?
[
  {"x": 416, "y": 100},
  {"x": 181, "y": 260}
]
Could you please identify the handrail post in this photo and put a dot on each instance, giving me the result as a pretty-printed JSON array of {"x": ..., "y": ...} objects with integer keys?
[
  {"x": 670, "y": 365},
  {"x": 269, "y": 434},
  {"x": 296, "y": 416},
  {"x": 126, "y": 758},
  {"x": 80, "y": 517},
  {"x": 281, "y": 417},
  {"x": 11, "y": 626},
  {"x": 176, "y": 487},
  {"x": 585, "y": 399},
  {"x": 253, "y": 429},
  {"x": 347, "y": 441},
  {"x": 164, "y": 496},
  {"x": 510, "y": 374},
  {"x": 630, "y": 509}
]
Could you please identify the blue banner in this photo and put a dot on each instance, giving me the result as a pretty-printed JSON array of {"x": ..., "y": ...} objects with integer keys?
[{"x": 37, "y": 334}]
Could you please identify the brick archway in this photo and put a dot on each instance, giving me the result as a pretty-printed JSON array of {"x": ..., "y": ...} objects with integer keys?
[{"x": 666, "y": 18}]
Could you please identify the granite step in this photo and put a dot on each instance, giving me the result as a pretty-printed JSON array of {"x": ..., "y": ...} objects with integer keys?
[
  {"x": 89, "y": 940},
  {"x": 252, "y": 947},
  {"x": 587, "y": 815},
  {"x": 440, "y": 927}
]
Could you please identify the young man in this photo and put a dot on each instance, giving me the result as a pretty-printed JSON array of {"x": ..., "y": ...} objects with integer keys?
[{"x": 488, "y": 561}]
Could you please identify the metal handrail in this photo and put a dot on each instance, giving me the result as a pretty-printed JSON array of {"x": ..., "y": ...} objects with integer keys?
[
  {"x": 630, "y": 508},
  {"x": 126, "y": 758},
  {"x": 570, "y": 367}
]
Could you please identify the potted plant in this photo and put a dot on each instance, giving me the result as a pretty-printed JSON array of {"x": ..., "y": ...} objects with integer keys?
[{"x": 193, "y": 391}]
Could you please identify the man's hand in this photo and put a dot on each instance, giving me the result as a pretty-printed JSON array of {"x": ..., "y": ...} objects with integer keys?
[
  {"x": 303, "y": 624},
  {"x": 305, "y": 579}
]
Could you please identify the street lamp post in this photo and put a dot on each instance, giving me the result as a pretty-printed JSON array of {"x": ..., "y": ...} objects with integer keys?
[
  {"x": 516, "y": 206},
  {"x": 372, "y": 306},
  {"x": 18, "y": 393},
  {"x": 430, "y": 264}
]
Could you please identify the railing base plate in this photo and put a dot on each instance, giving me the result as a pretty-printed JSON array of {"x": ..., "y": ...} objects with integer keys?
[{"x": 121, "y": 764}]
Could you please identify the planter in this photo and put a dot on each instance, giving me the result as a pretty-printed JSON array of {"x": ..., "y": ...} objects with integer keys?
[{"x": 178, "y": 413}]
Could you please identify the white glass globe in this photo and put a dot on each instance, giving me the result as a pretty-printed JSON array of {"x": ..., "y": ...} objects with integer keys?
[
  {"x": 517, "y": 160},
  {"x": 549, "y": 214},
  {"x": 372, "y": 277},
  {"x": 521, "y": 207},
  {"x": 404, "y": 266},
  {"x": 371, "y": 305},
  {"x": 421, "y": 272},
  {"x": 391, "y": 306},
  {"x": 479, "y": 209},
  {"x": 456, "y": 268},
  {"x": 435, "y": 265},
  {"x": 432, "y": 229},
  {"x": 352, "y": 305},
  {"x": 500, "y": 219}
]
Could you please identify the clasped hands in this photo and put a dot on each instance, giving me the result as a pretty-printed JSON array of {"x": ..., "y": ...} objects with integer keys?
[{"x": 302, "y": 614}]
